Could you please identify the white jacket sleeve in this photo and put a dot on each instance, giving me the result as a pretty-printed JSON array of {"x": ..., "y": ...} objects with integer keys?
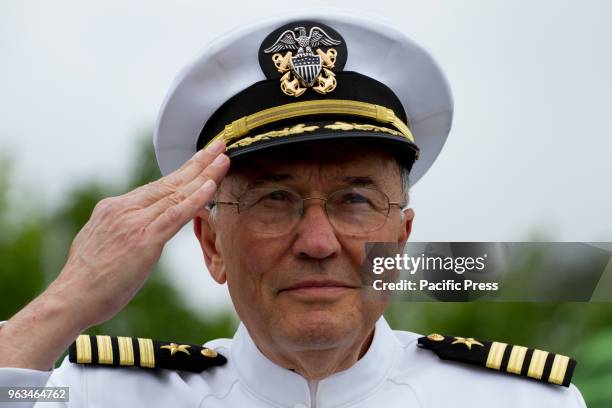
[{"x": 67, "y": 375}]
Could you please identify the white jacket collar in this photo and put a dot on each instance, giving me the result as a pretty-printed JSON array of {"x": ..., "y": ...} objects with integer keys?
[{"x": 281, "y": 386}]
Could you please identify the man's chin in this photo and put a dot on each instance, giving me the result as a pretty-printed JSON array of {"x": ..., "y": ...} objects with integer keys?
[{"x": 320, "y": 328}]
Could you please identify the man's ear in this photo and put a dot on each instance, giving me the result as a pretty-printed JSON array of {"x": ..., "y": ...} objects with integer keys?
[
  {"x": 205, "y": 230},
  {"x": 406, "y": 226}
]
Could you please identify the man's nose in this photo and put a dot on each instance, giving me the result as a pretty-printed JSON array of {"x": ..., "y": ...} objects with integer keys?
[{"x": 316, "y": 237}]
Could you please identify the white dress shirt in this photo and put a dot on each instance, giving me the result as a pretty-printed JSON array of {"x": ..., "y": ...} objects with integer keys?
[{"x": 393, "y": 373}]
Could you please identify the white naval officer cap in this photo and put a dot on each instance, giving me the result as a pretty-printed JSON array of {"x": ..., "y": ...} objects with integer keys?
[{"x": 299, "y": 78}]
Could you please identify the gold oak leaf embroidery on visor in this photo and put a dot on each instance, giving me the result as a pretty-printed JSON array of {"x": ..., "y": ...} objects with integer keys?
[
  {"x": 361, "y": 126},
  {"x": 301, "y": 128},
  {"x": 288, "y": 131}
]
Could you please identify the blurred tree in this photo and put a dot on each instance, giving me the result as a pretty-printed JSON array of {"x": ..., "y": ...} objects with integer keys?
[
  {"x": 595, "y": 375},
  {"x": 21, "y": 245}
]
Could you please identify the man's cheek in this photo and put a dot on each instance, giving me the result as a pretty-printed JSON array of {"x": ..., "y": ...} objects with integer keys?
[
  {"x": 354, "y": 250},
  {"x": 253, "y": 257},
  {"x": 261, "y": 248}
]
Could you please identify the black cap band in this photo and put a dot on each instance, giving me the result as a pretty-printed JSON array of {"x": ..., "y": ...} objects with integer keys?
[{"x": 265, "y": 94}]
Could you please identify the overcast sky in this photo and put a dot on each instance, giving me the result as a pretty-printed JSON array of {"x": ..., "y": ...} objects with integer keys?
[{"x": 530, "y": 149}]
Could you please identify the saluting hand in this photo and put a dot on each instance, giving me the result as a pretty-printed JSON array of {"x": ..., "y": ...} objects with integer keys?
[
  {"x": 113, "y": 254},
  {"x": 110, "y": 259}
]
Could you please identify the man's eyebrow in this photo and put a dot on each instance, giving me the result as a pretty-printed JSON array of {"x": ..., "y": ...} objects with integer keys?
[
  {"x": 361, "y": 181},
  {"x": 269, "y": 178}
]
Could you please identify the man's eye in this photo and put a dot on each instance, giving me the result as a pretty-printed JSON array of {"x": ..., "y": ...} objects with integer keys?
[
  {"x": 354, "y": 198},
  {"x": 278, "y": 195}
]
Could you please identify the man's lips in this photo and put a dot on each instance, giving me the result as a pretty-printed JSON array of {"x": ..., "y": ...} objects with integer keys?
[{"x": 318, "y": 285}]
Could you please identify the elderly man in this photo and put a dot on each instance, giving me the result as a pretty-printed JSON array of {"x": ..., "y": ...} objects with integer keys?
[{"x": 323, "y": 118}]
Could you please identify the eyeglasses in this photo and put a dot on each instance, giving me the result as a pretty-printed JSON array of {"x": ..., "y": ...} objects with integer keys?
[{"x": 275, "y": 210}]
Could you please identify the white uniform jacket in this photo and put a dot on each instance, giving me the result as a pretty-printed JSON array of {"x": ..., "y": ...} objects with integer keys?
[{"x": 393, "y": 373}]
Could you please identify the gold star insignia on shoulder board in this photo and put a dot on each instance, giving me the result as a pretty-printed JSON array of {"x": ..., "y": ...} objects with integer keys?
[
  {"x": 173, "y": 347},
  {"x": 140, "y": 352},
  {"x": 518, "y": 360},
  {"x": 468, "y": 342}
]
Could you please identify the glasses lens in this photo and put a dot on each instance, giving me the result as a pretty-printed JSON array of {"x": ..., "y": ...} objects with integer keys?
[
  {"x": 358, "y": 210},
  {"x": 269, "y": 210}
]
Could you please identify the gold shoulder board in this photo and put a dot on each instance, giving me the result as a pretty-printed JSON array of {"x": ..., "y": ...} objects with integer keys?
[
  {"x": 518, "y": 360},
  {"x": 139, "y": 352}
]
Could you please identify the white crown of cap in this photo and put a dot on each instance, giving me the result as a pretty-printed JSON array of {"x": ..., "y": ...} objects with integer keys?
[{"x": 230, "y": 64}]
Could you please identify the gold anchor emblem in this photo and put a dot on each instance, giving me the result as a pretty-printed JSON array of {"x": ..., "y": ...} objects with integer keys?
[
  {"x": 173, "y": 347},
  {"x": 290, "y": 82},
  {"x": 290, "y": 85},
  {"x": 326, "y": 82},
  {"x": 469, "y": 342}
]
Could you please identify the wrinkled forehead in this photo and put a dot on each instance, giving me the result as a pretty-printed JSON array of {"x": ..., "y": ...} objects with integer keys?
[{"x": 320, "y": 165}]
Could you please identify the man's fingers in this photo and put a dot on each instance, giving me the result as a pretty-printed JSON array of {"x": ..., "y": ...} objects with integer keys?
[
  {"x": 174, "y": 217},
  {"x": 154, "y": 191},
  {"x": 215, "y": 171}
]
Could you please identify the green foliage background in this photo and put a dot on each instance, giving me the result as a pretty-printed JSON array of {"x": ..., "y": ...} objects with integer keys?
[{"x": 34, "y": 242}]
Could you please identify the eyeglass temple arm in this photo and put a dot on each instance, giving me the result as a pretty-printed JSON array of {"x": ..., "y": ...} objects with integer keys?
[
  {"x": 402, "y": 206},
  {"x": 213, "y": 203}
]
